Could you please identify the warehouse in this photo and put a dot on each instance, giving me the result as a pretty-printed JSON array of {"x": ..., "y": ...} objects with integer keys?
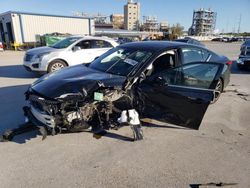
[{"x": 22, "y": 27}]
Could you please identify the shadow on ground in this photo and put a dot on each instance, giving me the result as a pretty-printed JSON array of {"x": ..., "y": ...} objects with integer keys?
[
  {"x": 16, "y": 71},
  {"x": 12, "y": 100}
]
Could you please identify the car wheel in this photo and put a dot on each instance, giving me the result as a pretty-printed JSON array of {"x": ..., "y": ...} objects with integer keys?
[
  {"x": 56, "y": 65},
  {"x": 219, "y": 89}
]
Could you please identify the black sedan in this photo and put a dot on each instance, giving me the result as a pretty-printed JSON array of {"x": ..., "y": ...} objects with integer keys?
[
  {"x": 167, "y": 81},
  {"x": 244, "y": 59}
]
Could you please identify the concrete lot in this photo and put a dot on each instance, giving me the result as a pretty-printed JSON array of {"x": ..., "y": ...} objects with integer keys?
[{"x": 167, "y": 157}]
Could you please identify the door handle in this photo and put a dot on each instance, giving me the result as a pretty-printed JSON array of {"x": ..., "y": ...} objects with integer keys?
[{"x": 195, "y": 100}]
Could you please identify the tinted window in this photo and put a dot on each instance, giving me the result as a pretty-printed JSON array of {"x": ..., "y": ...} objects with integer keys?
[
  {"x": 65, "y": 42},
  {"x": 101, "y": 44},
  {"x": 194, "y": 55},
  {"x": 199, "y": 75},
  {"x": 85, "y": 44}
]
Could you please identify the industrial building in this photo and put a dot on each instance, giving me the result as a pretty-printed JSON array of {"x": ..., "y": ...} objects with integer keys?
[
  {"x": 150, "y": 23},
  {"x": 22, "y": 27},
  {"x": 132, "y": 15},
  {"x": 203, "y": 22}
]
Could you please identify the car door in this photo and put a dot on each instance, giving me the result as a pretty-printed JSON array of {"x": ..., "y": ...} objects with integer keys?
[
  {"x": 81, "y": 52},
  {"x": 99, "y": 47},
  {"x": 180, "y": 95}
]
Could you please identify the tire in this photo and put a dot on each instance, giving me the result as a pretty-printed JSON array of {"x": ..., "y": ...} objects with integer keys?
[
  {"x": 219, "y": 88},
  {"x": 56, "y": 65}
]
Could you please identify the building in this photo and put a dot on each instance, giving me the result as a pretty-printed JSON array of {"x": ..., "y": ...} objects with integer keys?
[
  {"x": 22, "y": 27},
  {"x": 164, "y": 27},
  {"x": 150, "y": 23},
  {"x": 117, "y": 20},
  {"x": 122, "y": 33},
  {"x": 203, "y": 22},
  {"x": 131, "y": 15}
]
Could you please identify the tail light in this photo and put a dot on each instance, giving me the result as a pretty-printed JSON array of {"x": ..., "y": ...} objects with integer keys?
[
  {"x": 229, "y": 63},
  {"x": 1, "y": 46}
]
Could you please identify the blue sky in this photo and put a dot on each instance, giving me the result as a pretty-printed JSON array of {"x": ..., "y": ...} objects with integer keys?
[{"x": 173, "y": 11}]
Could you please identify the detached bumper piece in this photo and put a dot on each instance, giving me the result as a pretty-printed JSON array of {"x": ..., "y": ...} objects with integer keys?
[
  {"x": 131, "y": 117},
  {"x": 31, "y": 125},
  {"x": 10, "y": 134}
]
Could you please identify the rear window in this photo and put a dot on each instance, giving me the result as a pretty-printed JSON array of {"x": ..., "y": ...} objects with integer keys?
[
  {"x": 194, "y": 55},
  {"x": 101, "y": 44}
]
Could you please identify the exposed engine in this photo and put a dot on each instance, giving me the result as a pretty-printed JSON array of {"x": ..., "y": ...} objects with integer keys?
[{"x": 76, "y": 112}]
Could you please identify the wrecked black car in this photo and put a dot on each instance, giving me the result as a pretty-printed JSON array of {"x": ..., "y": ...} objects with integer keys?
[{"x": 158, "y": 80}]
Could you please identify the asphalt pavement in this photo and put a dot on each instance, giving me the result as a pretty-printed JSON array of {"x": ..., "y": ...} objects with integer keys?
[{"x": 219, "y": 152}]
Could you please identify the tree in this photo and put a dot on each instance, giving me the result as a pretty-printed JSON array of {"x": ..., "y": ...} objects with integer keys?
[{"x": 176, "y": 30}]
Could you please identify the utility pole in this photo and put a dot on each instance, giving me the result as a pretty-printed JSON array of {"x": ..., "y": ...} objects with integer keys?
[{"x": 239, "y": 24}]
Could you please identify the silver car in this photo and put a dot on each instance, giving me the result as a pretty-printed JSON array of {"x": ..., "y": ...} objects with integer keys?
[{"x": 70, "y": 51}]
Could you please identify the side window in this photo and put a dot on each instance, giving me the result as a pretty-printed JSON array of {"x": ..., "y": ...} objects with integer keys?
[
  {"x": 163, "y": 62},
  {"x": 101, "y": 44},
  {"x": 85, "y": 44},
  {"x": 198, "y": 75},
  {"x": 194, "y": 55}
]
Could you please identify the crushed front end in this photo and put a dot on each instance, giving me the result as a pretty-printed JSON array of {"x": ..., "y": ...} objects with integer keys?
[{"x": 75, "y": 112}]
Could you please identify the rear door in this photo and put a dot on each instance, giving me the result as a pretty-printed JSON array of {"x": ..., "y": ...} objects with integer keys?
[
  {"x": 180, "y": 95},
  {"x": 99, "y": 47}
]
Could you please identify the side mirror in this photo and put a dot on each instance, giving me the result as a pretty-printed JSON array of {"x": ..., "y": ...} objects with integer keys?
[
  {"x": 142, "y": 76},
  {"x": 76, "y": 48},
  {"x": 159, "y": 81}
]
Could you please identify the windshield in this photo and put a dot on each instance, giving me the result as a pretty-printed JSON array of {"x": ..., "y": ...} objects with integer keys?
[
  {"x": 120, "y": 61},
  {"x": 65, "y": 42}
]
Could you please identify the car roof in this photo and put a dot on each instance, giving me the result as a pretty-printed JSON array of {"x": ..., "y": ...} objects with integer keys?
[
  {"x": 92, "y": 37},
  {"x": 157, "y": 45}
]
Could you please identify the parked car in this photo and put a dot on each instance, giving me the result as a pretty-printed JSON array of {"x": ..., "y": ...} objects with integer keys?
[
  {"x": 243, "y": 61},
  {"x": 167, "y": 81},
  {"x": 190, "y": 41},
  {"x": 67, "y": 52},
  {"x": 1, "y": 46},
  {"x": 221, "y": 39}
]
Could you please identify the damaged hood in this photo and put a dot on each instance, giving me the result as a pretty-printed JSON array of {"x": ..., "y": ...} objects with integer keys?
[{"x": 73, "y": 80}]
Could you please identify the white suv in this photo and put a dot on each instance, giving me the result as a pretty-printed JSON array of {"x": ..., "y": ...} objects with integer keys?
[
  {"x": 1, "y": 46},
  {"x": 67, "y": 52}
]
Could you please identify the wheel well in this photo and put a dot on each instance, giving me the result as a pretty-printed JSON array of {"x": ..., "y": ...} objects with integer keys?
[
  {"x": 59, "y": 60},
  {"x": 56, "y": 60}
]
